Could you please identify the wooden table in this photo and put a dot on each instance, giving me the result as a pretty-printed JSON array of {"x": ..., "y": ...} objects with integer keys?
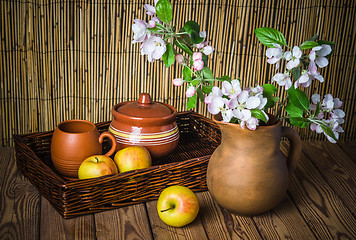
[{"x": 320, "y": 204}]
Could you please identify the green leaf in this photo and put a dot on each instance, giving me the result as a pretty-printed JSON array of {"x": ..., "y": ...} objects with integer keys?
[
  {"x": 224, "y": 78},
  {"x": 293, "y": 111},
  {"x": 168, "y": 56},
  {"x": 308, "y": 45},
  {"x": 187, "y": 74},
  {"x": 192, "y": 102},
  {"x": 207, "y": 73},
  {"x": 164, "y": 11},
  {"x": 193, "y": 29},
  {"x": 317, "y": 110},
  {"x": 195, "y": 81},
  {"x": 313, "y": 38},
  {"x": 183, "y": 46},
  {"x": 299, "y": 121},
  {"x": 269, "y": 89},
  {"x": 296, "y": 73},
  {"x": 298, "y": 98},
  {"x": 258, "y": 114},
  {"x": 325, "y": 42},
  {"x": 268, "y": 36},
  {"x": 205, "y": 59},
  {"x": 328, "y": 131},
  {"x": 207, "y": 89},
  {"x": 201, "y": 95},
  {"x": 271, "y": 101}
]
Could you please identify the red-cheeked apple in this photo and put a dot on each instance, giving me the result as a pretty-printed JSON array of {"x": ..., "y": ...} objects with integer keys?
[
  {"x": 132, "y": 158},
  {"x": 96, "y": 166},
  {"x": 177, "y": 206}
]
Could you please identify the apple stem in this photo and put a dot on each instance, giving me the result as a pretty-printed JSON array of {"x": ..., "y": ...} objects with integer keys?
[
  {"x": 165, "y": 210},
  {"x": 97, "y": 160}
]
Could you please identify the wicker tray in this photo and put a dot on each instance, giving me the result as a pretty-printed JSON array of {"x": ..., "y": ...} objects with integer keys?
[{"x": 186, "y": 166}]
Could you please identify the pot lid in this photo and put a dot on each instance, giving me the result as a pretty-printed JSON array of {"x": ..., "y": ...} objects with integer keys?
[{"x": 144, "y": 107}]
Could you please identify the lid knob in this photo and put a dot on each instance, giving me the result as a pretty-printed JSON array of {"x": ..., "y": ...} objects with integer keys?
[{"x": 144, "y": 99}]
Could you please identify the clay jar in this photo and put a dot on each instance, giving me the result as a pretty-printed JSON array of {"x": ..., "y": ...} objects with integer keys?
[
  {"x": 247, "y": 174},
  {"x": 72, "y": 142},
  {"x": 145, "y": 123}
]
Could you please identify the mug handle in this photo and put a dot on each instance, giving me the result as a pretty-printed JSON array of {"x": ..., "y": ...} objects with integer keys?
[
  {"x": 113, "y": 141},
  {"x": 295, "y": 149}
]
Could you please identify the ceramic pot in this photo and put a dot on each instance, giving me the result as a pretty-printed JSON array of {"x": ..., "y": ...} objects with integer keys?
[
  {"x": 247, "y": 174},
  {"x": 73, "y": 141},
  {"x": 145, "y": 123}
]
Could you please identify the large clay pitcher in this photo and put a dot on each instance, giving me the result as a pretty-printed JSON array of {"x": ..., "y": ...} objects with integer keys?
[{"x": 247, "y": 174}]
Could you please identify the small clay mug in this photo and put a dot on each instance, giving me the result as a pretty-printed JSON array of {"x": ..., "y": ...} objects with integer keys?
[{"x": 73, "y": 141}]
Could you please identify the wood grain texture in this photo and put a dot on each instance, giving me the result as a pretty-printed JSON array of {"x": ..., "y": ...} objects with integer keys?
[
  {"x": 53, "y": 226},
  {"x": 323, "y": 211},
  {"x": 283, "y": 222},
  {"x": 220, "y": 224},
  {"x": 161, "y": 231},
  {"x": 338, "y": 170},
  {"x": 124, "y": 223},
  {"x": 19, "y": 208},
  {"x": 349, "y": 148}
]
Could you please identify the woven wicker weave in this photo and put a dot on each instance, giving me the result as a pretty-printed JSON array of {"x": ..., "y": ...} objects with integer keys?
[{"x": 185, "y": 166}]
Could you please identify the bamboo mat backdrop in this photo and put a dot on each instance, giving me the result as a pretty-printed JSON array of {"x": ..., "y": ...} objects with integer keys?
[{"x": 74, "y": 59}]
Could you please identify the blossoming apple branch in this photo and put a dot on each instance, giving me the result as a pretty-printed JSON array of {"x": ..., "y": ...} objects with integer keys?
[{"x": 188, "y": 47}]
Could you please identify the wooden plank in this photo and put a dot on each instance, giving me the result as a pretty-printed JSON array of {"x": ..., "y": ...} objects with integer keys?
[
  {"x": 19, "y": 208},
  {"x": 283, "y": 222},
  {"x": 53, "y": 226},
  {"x": 321, "y": 208},
  {"x": 349, "y": 148},
  {"x": 161, "y": 231},
  {"x": 338, "y": 170},
  {"x": 220, "y": 224},
  {"x": 124, "y": 223}
]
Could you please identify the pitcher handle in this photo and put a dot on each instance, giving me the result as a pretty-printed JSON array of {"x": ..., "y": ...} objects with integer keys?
[
  {"x": 295, "y": 149},
  {"x": 113, "y": 142}
]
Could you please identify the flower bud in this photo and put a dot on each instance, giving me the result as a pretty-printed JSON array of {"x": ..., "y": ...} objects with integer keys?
[
  {"x": 207, "y": 50},
  {"x": 179, "y": 58},
  {"x": 198, "y": 65},
  {"x": 178, "y": 82},
  {"x": 197, "y": 56},
  {"x": 190, "y": 92}
]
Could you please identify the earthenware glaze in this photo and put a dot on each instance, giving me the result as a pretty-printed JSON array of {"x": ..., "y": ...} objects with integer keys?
[
  {"x": 247, "y": 174},
  {"x": 145, "y": 123},
  {"x": 73, "y": 141}
]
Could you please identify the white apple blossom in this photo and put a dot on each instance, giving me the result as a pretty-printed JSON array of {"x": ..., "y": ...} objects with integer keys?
[
  {"x": 232, "y": 89},
  {"x": 318, "y": 54},
  {"x": 282, "y": 79},
  {"x": 198, "y": 65},
  {"x": 293, "y": 57},
  {"x": 139, "y": 29},
  {"x": 178, "y": 82},
  {"x": 179, "y": 58},
  {"x": 154, "y": 47},
  {"x": 307, "y": 77},
  {"x": 207, "y": 50},
  {"x": 153, "y": 21},
  {"x": 197, "y": 56},
  {"x": 328, "y": 102},
  {"x": 203, "y": 43},
  {"x": 226, "y": 114},
  {"x": 151, "y": 10},
  {"x": 190, "y": 91},
  {"x": 215, "y": 104},
  {"x": 274, "y": 55}
]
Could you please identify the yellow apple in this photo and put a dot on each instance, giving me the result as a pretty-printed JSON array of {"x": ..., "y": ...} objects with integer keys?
[
  {"x": 132, "y": 158},
  {"x": 177, "y": 206},
  {"x": 96, "y": 166}
]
